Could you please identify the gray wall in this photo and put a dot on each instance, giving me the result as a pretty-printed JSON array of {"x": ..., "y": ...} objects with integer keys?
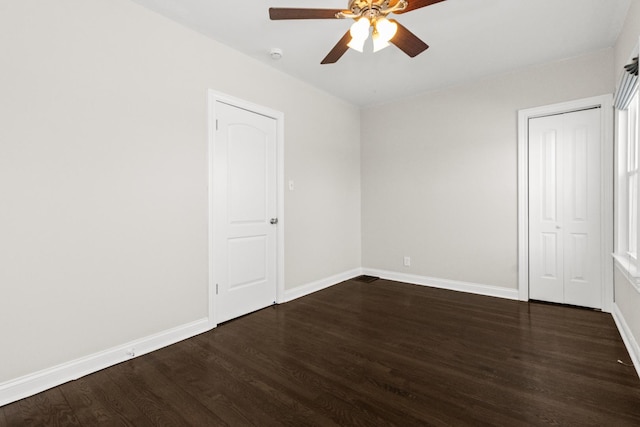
[
  {"x": 439, "y": 171},
  {"x": 103, "y": 176}
]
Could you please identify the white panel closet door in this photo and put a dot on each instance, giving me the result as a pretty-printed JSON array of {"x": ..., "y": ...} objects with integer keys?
[
  {"x": 245, "y": 205},
  {"x": 564, "y": 208}
]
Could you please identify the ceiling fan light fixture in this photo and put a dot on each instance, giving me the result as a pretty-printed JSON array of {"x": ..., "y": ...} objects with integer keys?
[
  {"x": 357, "y": 44},
  {"x": 359, "y": 33},
  {"x": 360, "y": 28},
  {"x": 386, "y": 29},
  {"x": 379, "y": 42}
]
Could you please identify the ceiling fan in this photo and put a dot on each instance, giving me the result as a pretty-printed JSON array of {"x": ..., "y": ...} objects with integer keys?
[{"x": 367, "y": 14}]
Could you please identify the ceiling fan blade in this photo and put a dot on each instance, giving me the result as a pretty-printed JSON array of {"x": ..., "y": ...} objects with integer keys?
[
  {"x": 416, "y": 4},
  {"x": 277, "y": 13},
  {"x": 338, "y": 50},
  {"x": 408, "y": 42}
]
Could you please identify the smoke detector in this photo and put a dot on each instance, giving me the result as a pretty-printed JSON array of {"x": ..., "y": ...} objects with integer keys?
[{"x": 275, "y": 53}]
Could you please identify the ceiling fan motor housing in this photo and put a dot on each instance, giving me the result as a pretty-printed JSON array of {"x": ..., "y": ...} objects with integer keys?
[{"x": 373, "y": 8}]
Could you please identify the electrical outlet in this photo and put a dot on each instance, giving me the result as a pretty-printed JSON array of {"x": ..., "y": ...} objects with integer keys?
[{"x": 407, "y": 261}]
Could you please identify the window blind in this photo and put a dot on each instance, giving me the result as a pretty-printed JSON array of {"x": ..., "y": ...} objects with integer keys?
[{"x": 628, "y": 85}]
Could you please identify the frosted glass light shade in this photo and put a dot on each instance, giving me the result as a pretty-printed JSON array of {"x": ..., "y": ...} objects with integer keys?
[
  {"x": 379, "y": 42},
  {"x": 357, "y": 44},
  {"x": 359, "y": 32},
  {"x": 386, "y": 29},
  {"x": 360, "y": 28}
]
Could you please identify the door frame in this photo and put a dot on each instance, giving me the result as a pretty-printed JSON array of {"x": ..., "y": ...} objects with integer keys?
[
  {"x": 213, "y": 98},
  {"x": 605, "y": 102}
]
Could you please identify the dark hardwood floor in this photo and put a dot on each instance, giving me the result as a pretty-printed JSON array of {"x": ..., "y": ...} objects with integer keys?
[{"x": 367, "y": 354}]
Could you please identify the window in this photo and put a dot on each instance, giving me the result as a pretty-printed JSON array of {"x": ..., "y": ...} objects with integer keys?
[
  {"x": 628, "y": 188},
  {"x": 632, "y": 177}
]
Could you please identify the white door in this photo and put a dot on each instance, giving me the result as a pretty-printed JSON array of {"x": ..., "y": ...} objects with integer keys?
[
  {"x": 564, "y": 208},
  {"x": 245, "y": 211}
]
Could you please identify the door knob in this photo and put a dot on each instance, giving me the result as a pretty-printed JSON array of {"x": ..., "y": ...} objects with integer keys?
[{"x": 274, "y": 221}]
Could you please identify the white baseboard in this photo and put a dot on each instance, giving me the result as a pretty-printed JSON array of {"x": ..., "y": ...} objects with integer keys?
[
  {"x": 37, "y": 382},
  {"x": 452, "y": 285},
  {"x": 627, "y": 337},
  {"x": 318, "y": 285}
]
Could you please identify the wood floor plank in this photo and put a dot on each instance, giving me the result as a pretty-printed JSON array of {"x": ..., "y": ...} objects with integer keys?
[
  {"x": 85, "y": 404},
  {"x": 199, "y": 382},
  {"x": 145, "y": 373},
  {"x": 356, "y": 368},
  {"x": 368, "y": 354},
  {"x": 279, "y": 384},
  {"x": 116, "y": 399},
  {"x": 3, "y": 419},
  {"x": 143, "y": 397},
  {"x": 207, "y": 377},
  {"x": 392, "y": 381},
  {"x": 258, "y": 357},
  {"x": 288, "y": 406},
  {"x": 44, "y": 409}
]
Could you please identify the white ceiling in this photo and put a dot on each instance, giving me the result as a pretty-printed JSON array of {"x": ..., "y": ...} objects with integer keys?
[{"x": 468, "y": 39}]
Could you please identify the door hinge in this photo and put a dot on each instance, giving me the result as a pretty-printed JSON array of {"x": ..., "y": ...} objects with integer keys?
[
  {"x": 216, "y": 289},
  {"x": 216, "y": 124}
]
